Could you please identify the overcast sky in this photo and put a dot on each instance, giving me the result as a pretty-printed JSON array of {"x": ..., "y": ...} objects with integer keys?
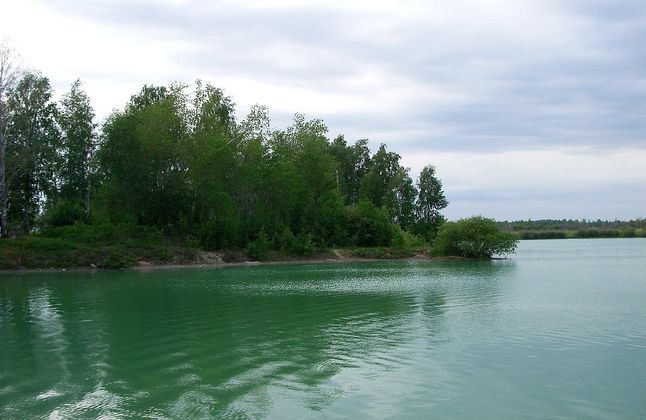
[{"x": 528, "y": 109}]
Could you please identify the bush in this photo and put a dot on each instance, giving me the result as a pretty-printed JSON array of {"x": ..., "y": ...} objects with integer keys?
[
  {"x": 406, "y": 240},
  {"x": 475, "y": 237},
  {"x": 218, "y": 234},
  {"x": 105, "y": 234},
  {"x": 259, "y": 247},
  {"x": 381, "y": 253},
  {"x": 427, "y": 229},
  {"x": 369, "y": 226},
  {"x": 64, "y": 213},
  {"x": 303, "y": 246}
]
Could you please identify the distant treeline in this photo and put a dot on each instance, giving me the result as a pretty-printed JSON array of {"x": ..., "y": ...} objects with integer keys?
[
  {"x": 178, "y": 161},
  {"x": 568, "y": 228}
]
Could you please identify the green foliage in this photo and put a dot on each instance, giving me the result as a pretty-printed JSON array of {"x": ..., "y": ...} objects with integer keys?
[
  {"x": 301, "y": 245},
  {"x": 545, "y": 234},
  {"x": 381, "y": 253},
  {"x": 103, "y": 234},
  {"x": 77, "y": 145},
  {"x": 141, "y": 158},
  {"x": 561, "y": 229},
  {"x": 352, "y": 163},
  {"x": 369, "y": 226},
  {"x": 430, "y": 202},
  {"x": 475, "y": 237},
  {"x": 31, "y": 142},
  {"x": 217, "y": 234},
  {"x": 64, "y": 212},
  {"x": 406, "y": 240},
  {"x": 9, "y": 74},
  {"x": 99, "y": 246},
  {"x": 428, "y": 228},
  {"x": 570, "y": 225},
  {"x": 258, "y": 249},
  {"x": 375, "y": 186},
  {"x": 606, "y": 233},
  {"x": 176, "y": 162},
  {"x": 400, "y": 199},
  {"x": 283, "y": 241}
]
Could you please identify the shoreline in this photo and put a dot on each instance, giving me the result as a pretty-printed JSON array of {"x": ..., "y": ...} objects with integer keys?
[{"x": 147, "y": 266}]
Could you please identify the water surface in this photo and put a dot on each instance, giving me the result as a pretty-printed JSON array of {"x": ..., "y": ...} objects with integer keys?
[{"x": 557, "y": 331}]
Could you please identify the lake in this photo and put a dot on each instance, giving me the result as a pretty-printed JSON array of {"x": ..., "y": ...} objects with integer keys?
[{"x": 558, "y": 331}]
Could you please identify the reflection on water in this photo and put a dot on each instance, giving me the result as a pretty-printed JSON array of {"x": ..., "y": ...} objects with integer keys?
[{"x": 388, "y": 339}]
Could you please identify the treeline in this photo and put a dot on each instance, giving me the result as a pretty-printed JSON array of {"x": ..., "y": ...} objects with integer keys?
[
  {"x": 568, "y": 228},
  {"x": 177, "y": 160},
  {"x": 570, "y": 224}
]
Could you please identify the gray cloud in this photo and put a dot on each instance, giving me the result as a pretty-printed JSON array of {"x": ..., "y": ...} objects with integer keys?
[
  {"x": 610, "y": 202},
  {"x": 423, "y": 77},
  {"x": 518, "y": 88}
]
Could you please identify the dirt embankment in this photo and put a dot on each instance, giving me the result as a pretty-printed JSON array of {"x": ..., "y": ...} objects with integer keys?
[{"x": 232, "y": 259}]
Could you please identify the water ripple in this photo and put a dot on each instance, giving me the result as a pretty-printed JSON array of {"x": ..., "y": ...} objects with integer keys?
[{"x": 504, "y": 339}]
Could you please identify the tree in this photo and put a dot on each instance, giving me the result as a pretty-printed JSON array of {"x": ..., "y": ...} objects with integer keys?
[
  {"x": 430, "y": 201},
  {"x": 254, "y": 133},
  {"x": 301, "y": 192},
  {"x": 369, "y": 225},
  {"x": 256, "y": 125},
  {"x": 475, "y": 237},
  {"x": 77, "y": 145},
  {"x": 142, "y": 159},
  {"x": 375, "y": 184},
  {"x": 8, "y": 77},
  {"x": 400, "y": 199},
  {"x": 32, "y": 138},
  {"x": 211, "y": 158},
  {"x": 387, "y": 184},
  {"x": 352, "y": 165}
]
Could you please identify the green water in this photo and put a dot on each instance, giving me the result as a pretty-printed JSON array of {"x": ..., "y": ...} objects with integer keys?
[{"x": 558, "y": 331}]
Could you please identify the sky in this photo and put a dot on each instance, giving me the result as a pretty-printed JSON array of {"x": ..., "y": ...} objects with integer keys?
[{"x": 527, "y": 109}]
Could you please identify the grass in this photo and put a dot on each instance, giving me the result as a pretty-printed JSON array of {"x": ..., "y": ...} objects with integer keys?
[
  {"x": 93, "y": 246},
  {"x": 379, "y": 253},
  {"x": 123, "y": 246}
]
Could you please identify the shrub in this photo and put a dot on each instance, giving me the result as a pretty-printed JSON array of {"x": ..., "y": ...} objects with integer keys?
[
  {"x": 284, "y": 241},
  {"x": 64, "y": 213},
  {"x": 369, "y": 226},
  {"x": 427, "y": 229},
  {"x": 407, "y": 240},
  {"x": 217, "y": 234},
  {"x": 385, "y": 253},
  {"x": 475, "y": 237},
  {"x": 259, "y": 248},
  {"x": 303, "y": 245}
]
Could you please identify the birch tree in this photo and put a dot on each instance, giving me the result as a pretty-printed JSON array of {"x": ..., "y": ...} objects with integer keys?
[
  {"x": 8, "y": 75},
  {"x": 77, "y": 141},
  {"x": 31, "y": 143}
]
